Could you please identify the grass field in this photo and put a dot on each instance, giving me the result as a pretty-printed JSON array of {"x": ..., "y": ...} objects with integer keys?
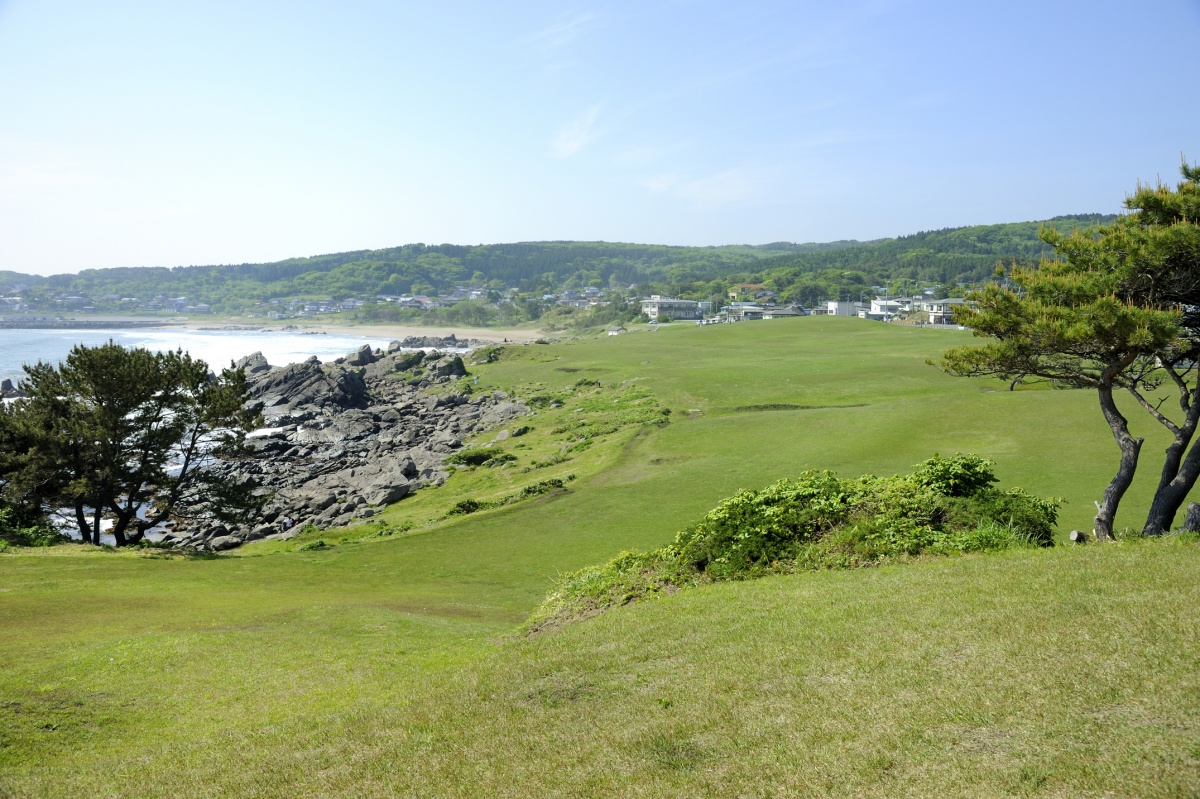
[{"x": 388, "y": 666}]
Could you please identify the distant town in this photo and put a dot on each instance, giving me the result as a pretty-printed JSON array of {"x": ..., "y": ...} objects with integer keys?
[{"x": 745, "y": 302}]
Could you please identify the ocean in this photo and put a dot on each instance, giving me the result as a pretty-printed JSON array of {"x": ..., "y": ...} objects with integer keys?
[{"x": 216, "y": 347}]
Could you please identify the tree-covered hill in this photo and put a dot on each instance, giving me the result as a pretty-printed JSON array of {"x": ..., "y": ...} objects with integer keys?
[
  {"x": 801, "y": 272},
  {"x": 950, "y": 257}
]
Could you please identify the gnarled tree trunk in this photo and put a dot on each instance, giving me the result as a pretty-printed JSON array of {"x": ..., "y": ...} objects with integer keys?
[
  {"x": 1181, "y": 466},
  {"x": 1106, "y": 508}
]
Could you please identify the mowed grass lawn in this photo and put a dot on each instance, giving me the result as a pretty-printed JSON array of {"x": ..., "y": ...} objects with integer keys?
[{"x": 390, "y": 668}]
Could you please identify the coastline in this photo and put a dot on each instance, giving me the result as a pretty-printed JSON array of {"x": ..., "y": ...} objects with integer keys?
[
  {"x": 493, "y": 334},
  {"x": 389, "y": 331}
]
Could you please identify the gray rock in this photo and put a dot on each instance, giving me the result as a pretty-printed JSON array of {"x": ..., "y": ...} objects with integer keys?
[
  {"x": 323, "y": 501},
  {"x": 253, "y": 364},
  {"x": 363, "y": 356},
  {"x": 387, "y": 492},
  {"x": 352, "y": 435},
  {"x": 224, "y": 542}
]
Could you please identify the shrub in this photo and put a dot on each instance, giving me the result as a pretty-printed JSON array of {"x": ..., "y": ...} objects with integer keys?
[
  {"x": 956, "y": 476},
  {"x": 467, "y": 506},
  {"x": 18, "y": 532},
  {"x": 820, "y": 521},
  {"x": 480, "y": 456}
]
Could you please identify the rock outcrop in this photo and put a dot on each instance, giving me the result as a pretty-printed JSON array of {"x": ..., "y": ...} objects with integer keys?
[{"x": 344, "y": 439}]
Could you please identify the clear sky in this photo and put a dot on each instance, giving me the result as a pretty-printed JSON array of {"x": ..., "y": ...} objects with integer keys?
[{"x": 169, "y": 133}]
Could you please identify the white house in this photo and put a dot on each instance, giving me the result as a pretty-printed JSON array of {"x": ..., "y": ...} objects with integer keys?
[
  {"x": 658, "y": 307},
  {"x": 884, "y": 309},
  {"x": 941, "y": 312},
  {"x": 843, "y": 308}
]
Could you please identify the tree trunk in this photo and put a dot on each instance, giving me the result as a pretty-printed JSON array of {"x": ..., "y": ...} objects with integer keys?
[
  {"x": 121, "y": 525},
  {"x": 1179, "y": 472},
  {"x": 85, "y": 530},
  {"x": 1191, "y": 522},
  {"x": 1170, "y": 497},
  {"x": 1106, "y": 508}
]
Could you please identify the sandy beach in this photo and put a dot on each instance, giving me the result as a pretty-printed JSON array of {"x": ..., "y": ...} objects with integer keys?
[{"x": 496, "y": 334}]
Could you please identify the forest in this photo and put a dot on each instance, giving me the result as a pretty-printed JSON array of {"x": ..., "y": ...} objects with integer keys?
[{"x": 950, "y": 259}]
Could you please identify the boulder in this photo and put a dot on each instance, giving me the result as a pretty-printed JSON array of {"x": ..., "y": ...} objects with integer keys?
[
  {"x": 224, "y": 542},
  {"x": 363, "y": 356},
  {"x": 387, "y": 492},
  {"x": 253, "y": 364}
]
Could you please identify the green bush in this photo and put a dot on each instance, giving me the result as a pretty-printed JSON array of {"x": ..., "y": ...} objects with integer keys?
[
  {"x": 466, "y": 506},
  {"x": 821, "y": 521},
  {"x": 312, "y": 545},
  {"x": 18, "y": 532},
  {"x": 956, "y": 476},
  {"x": 478, "y": 457}
]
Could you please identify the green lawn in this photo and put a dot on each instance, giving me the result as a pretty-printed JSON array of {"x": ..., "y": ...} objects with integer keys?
[{"x": 387, "y": 666}]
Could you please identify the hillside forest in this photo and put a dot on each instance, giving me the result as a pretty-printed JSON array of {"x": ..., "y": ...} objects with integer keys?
[{"x": 521, "y": 282}]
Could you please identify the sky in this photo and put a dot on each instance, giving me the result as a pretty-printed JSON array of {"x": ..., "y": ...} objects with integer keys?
[{"x": 165, "y": 134}]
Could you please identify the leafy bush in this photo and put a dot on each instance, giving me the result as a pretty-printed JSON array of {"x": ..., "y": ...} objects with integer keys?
[
  {"x": 821, "y": 521},
  {"x": 467, "y": 506},
  {"x": 491, "y": 456},
  {"x": 18, "y": 532},
  {"x": 957, "y": 476}
]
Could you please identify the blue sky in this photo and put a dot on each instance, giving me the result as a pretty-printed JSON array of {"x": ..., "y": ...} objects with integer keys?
[{"x": 151, "y": 133}]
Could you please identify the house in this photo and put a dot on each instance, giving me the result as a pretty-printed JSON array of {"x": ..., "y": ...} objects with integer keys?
[
  {"x": 941, "y": 312},
  {"x": 743, "y": 311},
  {"x": 658, "y": 307},
  {"x": 842, "y": 308},
  {"x": 742, "y": 289},
  {"x": 616, "y": 330},
  {"x": 780, "y": 312},
  {"x": 884, "y": 309}
]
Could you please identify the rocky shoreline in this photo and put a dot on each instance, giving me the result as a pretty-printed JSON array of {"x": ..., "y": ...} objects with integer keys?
[{"x": 345, "y": 439}]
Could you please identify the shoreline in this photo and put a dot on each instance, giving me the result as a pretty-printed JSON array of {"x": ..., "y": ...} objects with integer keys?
[
  {"x": 389, "y": 331},
  {"x": 493, "y": 334}
]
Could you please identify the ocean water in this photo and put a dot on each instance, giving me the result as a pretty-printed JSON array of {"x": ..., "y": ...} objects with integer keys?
[{"x": 216, "y": 347}]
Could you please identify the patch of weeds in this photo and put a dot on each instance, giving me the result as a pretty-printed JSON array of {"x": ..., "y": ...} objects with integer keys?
[
  {"x": 551, "y": 461},
  {"x": 485, "y": 355},
  {"x": 312, "y": 545},
  {"x": 783, "y": 406},
  {"x": 467, "y": 506},
  {"x": 54, "y": 720},
  {"x": 671, "y": 752},
  {"x": 384, "y": 529}
]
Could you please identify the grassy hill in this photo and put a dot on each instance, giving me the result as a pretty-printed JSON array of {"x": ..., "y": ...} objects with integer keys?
[{"x": 387, "y": 664}]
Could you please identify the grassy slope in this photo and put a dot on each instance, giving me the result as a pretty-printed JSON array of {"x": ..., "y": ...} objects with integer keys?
[{"x": 335, "y": 668}]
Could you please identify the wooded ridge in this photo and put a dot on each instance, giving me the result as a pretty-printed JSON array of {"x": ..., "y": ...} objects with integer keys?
[{"x": 803, "y": 273}]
